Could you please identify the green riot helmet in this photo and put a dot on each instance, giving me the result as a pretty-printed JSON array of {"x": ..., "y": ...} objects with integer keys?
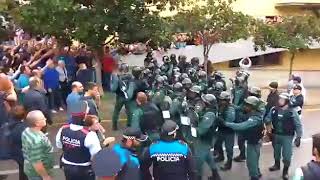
[
  {"x": 209, "y": 99},
  {"x": 202, "y": 74},
  {"x": 178, "y": 87},
  {"x": 218, "y": 75},
  {"x": 157, "y": 71},
  {"x": 284, "y": 99},
  {"x": 176, "y": 78},
  {"x": 182, "y": 58},
  {"x": 176, "y": 70},
  {"x": 166, "y": 59},
  {"x": 166, "y": 103},
  {"x": 173, "y": 57},
  {"x": 165, "y": 79},
  {"x": 255, "y": 91},
  {"x": 195, "y": 61},
  {"x": 219, "y": 86},
  {"x": 187, "y": 83},
  {"x": 191, "y": 71},
  {"x": 147, "y": 73},
  {"x": 137, "y": 71},
  {"x": 196, "y": 89},
  {"x": 160, "y": 80},
  {"x": 224, "y": 95},
  {"x": 124, "y": 68},
  {"x": 184, "y": 76},
  {"x": 252, "y": 101}
]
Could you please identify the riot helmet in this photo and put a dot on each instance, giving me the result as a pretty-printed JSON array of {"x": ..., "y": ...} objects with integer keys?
[
  {"x": 251, "y": 103},
  {"x": 284, "y": 99},
  {"x": 255, "y": 91},
  {"x": 124, "y": 68},
  {"x": 187, "y": 83},
  {"x": 166, "y": 59},
  {"x": 195, "y": 61},
  {"x": 137, "y": 71}
]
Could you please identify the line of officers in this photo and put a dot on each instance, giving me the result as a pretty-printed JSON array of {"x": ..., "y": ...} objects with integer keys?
[{"x": 208, "y": 116}]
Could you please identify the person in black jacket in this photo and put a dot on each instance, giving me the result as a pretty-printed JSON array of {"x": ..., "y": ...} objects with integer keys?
[
  {"x": 297, "y": 100},
  {"x": 17, "y": 126},
  {"x": 312, "y": 170},
  {"x": 273, "y": 96},
  {"x": 35, "y": 98}
]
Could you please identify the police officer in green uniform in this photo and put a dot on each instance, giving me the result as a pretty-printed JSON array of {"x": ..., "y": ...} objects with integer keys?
[
  {"x": 158, "y": 92},
  {"x": 189, "y": 105},
  {"x": 202, "y": 80},
  {"x": 136, "y": 85},
  {"x": 239, "y": 90},
  {"x": 286, "y": 123},
  {"x": 205, "y": 133},
  {"x": 119, "y": 85},
  {"x": 253, "y": 91},
  {"x": 176, "y": 106},
  {"x": 252, "y": 130},
  {"x": 225, "y": 134},
  {"x": 167, "y": 67}
]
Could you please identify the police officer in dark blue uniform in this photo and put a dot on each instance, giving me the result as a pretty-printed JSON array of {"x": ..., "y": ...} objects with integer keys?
[
  {"x": 79, "y": 145},
  {"x": 171, "y": 158}
]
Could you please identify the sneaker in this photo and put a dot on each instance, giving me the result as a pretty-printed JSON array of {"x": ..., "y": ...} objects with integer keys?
[
  {"x": 54, "y": 111},
  {"x": 61, "y": 109}
]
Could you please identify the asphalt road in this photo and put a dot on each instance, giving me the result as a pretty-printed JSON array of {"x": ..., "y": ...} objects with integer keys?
[{"x": 239, "y": 171}]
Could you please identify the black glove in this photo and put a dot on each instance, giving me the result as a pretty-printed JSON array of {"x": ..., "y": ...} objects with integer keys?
[
  {"x": 297, "y": 141},
  {"x": 220, "y": 122}
]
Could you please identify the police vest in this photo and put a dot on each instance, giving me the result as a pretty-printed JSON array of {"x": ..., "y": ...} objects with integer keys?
[
  {"x": 73, "y": 145},
  {"x": 283, "y": 124},
  {"x": 311, "y": 171},
  {"x": 130, "y": 164},
  {"x": 254, "y": 134},
  {"x": 169, "y": 159}
]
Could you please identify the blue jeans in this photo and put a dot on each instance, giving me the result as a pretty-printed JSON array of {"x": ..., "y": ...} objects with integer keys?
[{"x": 107, "y": 81}]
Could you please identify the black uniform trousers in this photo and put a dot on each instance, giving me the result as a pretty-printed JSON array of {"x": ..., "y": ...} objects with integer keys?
[{"x": 78, "y": 172}]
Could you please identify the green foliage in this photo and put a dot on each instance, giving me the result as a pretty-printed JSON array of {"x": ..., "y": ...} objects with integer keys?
[
  {"x": 293, "y": 33},
  {"x": 93, "y": 21},
  {"x": 216, "y": 22}
]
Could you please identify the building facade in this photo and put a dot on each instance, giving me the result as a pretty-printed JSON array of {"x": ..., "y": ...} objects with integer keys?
[{"x": 277, "y": 65}]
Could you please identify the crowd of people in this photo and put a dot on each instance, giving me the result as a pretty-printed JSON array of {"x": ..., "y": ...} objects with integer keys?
[{"x": 180, "y": 115}]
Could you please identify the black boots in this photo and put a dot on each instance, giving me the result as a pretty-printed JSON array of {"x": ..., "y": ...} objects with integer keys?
[
  {"x": 240, "y": 158},
  {"x": 227, "y": 166},
  {"x": 285, "y": 174},
  {"x": 275, "y": 167},
  {"x": 219, "y": 158},
  {"x": 215, "y": 175}
]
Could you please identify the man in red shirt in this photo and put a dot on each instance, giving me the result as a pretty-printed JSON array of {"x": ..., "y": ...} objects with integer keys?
[{"x": 108, "y": 64}]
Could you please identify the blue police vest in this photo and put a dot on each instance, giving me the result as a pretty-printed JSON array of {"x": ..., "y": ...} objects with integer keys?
[
  {"x": 73, "y": 145},
  {"x": 169, "y": 160},
  {"x": 130, "y": 164}
]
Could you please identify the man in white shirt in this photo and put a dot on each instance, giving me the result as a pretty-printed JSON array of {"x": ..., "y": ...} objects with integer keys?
[{"x": 79, "y": 145}]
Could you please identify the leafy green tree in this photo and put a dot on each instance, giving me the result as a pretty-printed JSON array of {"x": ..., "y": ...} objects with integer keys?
[
  {"x": 293, "y": 33},
  {"x": 93, "y": 21},
  {"x": 215, "y": 22}
]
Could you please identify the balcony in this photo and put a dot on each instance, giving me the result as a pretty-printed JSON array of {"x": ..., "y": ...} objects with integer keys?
[{"x": 306, "y": 4}]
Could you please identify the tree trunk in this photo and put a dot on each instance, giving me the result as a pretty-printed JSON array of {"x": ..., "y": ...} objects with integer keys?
[{"x": 293, "y": 54}]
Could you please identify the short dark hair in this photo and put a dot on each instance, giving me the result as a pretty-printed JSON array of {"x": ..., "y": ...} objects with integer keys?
[
  {"x": 90, "y": 86},
  {"x": 23, "y": 68},
  {"x": 316, "y": 142}
]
